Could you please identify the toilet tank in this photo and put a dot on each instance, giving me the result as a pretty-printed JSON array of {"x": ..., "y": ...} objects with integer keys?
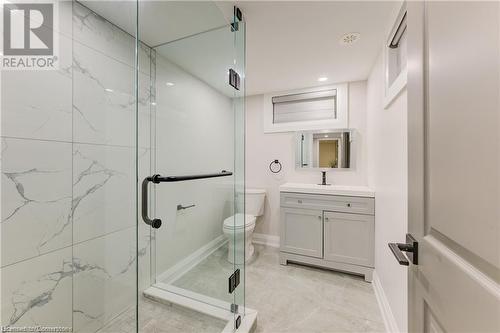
[{"x": 254, "y": 201}]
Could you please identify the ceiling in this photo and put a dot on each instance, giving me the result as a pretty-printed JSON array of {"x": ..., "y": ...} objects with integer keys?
[{"x": 289, "y": 44}]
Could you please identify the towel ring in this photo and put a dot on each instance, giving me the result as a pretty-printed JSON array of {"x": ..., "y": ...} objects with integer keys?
[{"x": 275, "y": 170}]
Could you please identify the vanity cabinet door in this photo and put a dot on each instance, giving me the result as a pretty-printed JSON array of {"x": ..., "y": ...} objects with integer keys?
[
  {"x": 302, "y": 231},
  {"x": 349, "y": 238}
]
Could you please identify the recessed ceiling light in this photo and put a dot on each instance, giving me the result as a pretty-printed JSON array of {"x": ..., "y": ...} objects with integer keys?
[
  {"x": 350, "y": 38},
  {"x": 326, "y": 136},
  {"x": 109, "y": 90},
  {"x": 170, "y": 84},
  {"x": 322, "y": 79}
]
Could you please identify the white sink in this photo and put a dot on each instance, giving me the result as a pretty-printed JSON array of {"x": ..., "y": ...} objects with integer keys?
[{"x": 353, "y": 191}]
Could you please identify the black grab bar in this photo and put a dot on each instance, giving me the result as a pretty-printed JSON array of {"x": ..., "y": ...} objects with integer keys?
[{"x": 156, "y": 179}]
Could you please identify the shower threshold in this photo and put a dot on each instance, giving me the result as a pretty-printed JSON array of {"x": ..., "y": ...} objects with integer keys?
[{"x": 166, "y": 293}]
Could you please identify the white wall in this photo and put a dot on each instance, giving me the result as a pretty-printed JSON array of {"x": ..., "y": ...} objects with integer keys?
[
  {"x": 262, "y": 148},
  {"x": 387, "y": 174}
]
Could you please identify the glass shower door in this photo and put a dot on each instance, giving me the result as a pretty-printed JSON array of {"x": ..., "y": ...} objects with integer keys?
[{"x": 197, "y": 155}]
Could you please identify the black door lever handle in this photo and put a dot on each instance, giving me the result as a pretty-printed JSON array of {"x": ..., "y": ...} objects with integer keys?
[
  {"x": 410, "y": 247},
  {"x": 397, "y": 251}
]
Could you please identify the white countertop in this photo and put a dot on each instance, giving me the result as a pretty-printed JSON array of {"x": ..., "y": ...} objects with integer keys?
[{"x": 353, "y": 191}]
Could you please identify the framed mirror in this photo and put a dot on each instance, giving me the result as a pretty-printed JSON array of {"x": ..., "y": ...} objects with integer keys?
[{"x": 324, "y": 149}]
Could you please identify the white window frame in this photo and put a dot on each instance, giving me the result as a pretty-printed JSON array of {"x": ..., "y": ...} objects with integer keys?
[
  {"x": 394, "y": 89},
  {"x": 340, "y": 122}
]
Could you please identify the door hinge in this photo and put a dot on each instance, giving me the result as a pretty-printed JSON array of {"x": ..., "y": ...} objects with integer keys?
[
  {"x": 234, "y": 280},
  {"x": 234, "y": 79},
  {"x": 234, "y": 308},
  {"x": 237, "y": 17}
]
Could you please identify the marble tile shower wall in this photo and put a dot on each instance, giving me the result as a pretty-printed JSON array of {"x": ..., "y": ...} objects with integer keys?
[{"x": 68, "y": 244}]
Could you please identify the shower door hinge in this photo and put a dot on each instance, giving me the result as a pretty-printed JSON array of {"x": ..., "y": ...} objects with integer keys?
[
  {"x": 234, "y": 79},
  {"x": 234, "y": 280},
  {"x": 237, "y": 17},
  {"x": 234, "y": 308},
  {"x": 237, "y": 322}
]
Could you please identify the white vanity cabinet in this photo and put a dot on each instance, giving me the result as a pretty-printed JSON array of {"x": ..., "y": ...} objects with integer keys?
[
  {"x": 331, "y": 227},
  {"x": 302, "y": 232},
  {"x": 348, "y": 238}
]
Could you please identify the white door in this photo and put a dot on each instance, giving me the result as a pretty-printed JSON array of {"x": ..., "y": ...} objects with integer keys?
[{"x": 453, "y": 176}]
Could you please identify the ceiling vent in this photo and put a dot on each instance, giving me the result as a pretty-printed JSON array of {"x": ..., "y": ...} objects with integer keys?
[{"x": 350, "y": 38}]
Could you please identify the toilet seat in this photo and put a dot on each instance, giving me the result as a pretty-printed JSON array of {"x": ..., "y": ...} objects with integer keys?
[{"x": 239, "y": 221}]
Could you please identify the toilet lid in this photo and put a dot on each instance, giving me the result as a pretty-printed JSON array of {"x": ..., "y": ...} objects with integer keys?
[{"x": 239, "y": 221}]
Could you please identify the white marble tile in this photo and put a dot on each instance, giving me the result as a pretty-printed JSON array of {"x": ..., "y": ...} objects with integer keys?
[
  {"x": 103, "y": 293},
  {"x": 38, "y": 291},
  {"x": 104, "y": 103},
  {"x": 104, "y": 190},
  {"x": 65, "y": 13},
  {"x": 36, "y": 198},
  {"x": 145, "y": 112},
  {"x": 96, "y": 32},
  {"x": 145, "y": 274},
  {"x": 45, "y": 202},
  {"x": 104, "y": 100},
  {"x": 145, "y": 232},
  {"x": 104, "y": 283},
  {"x": 145, "y": 54},
  {"x": 37, "y": 103}
]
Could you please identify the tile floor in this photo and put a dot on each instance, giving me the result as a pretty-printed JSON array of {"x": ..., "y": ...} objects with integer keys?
[{"x": 293, "y": 299}]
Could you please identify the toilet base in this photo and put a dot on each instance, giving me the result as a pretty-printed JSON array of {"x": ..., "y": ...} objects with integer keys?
[
  {"x": 238, "y": 255},
  {"x": 235, "y": 256}
]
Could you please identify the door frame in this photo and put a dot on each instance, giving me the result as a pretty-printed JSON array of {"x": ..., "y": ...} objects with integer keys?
[{"x": 416, "y": 145}]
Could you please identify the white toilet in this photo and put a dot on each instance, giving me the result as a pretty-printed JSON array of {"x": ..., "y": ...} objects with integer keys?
[{"x": 239, "y": 227}]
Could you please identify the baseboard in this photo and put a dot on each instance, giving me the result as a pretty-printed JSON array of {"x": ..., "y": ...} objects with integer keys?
[
  {"x": 268, "y": 240},
  {"x": 183, "y": 266},
  {"x": 383, "y": 303}
]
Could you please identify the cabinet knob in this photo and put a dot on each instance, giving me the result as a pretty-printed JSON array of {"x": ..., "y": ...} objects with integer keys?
[
  {"x": 349, "y": 204},
  {"x": 319, "y": 217},
  {"x": 299, "y": 201},
  {"x": 326, "y": 219}
]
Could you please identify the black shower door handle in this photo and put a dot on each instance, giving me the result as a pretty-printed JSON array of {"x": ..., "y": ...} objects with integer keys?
[{"x": 156, "y": 223}]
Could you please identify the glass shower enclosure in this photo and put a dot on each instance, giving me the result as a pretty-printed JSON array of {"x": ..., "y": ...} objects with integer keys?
[
  {"x": 196, "y": 172},
  {"x": 123, "y": 169}
]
